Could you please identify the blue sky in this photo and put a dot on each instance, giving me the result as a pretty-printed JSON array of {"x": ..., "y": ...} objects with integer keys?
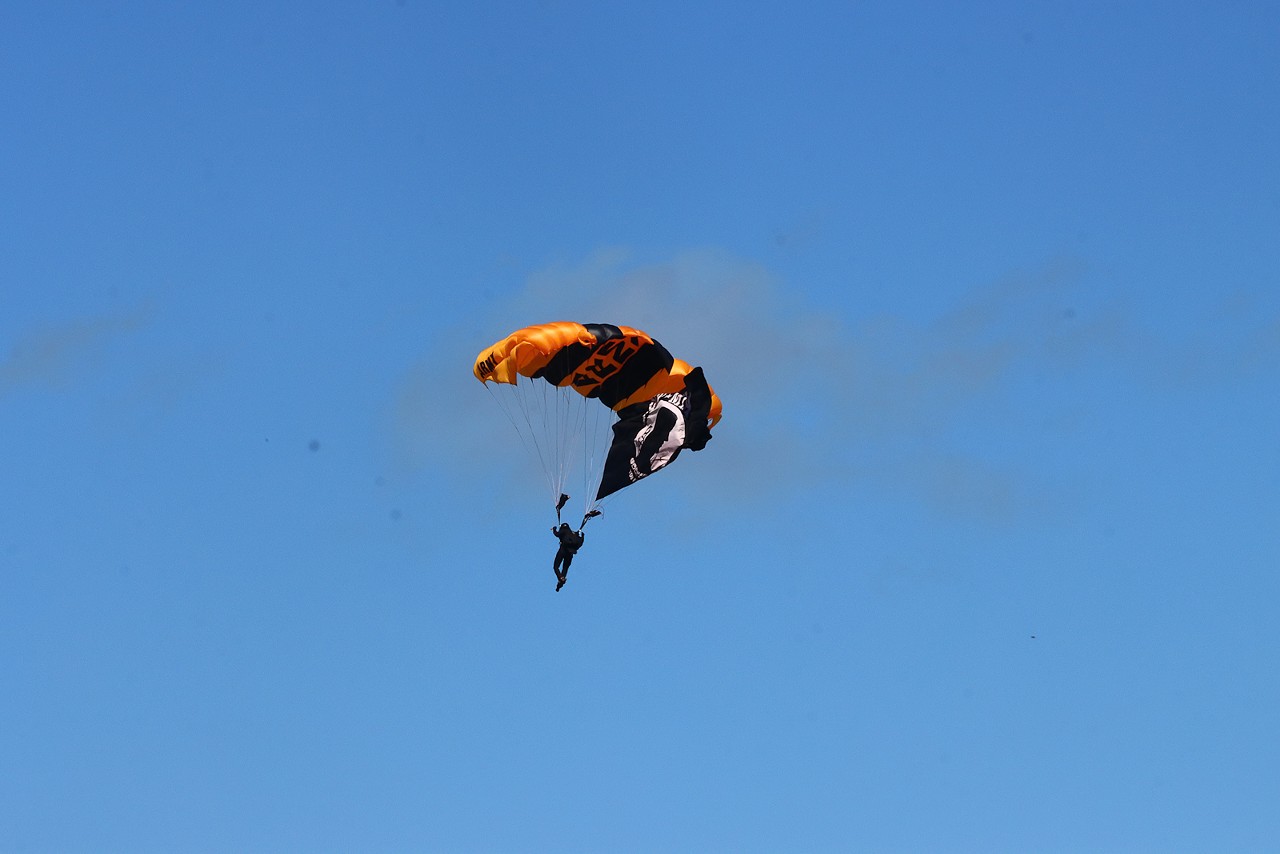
[{"x": 981, "y": 558}]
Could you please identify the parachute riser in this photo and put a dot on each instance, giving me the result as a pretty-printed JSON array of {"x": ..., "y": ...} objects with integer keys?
[{"x": 590, "y": 514}]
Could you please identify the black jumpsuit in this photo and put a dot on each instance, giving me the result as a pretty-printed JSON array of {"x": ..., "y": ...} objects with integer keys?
[{"x": 570, "y": 542}]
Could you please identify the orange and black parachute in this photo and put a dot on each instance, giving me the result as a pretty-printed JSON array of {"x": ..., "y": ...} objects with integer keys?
[{"x": 663, "y": 404}]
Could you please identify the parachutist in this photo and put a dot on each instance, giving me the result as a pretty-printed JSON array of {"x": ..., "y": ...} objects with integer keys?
[
  {"x": 552, "y": 378},
  {"x": 570, "y": 542}
]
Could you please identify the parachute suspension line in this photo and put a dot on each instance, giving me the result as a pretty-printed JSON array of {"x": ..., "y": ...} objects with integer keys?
[
  {"x": 549, "y": 409},
  {"x": 588, "y": 443},
  {"x": 520, "y": 398},
  {"x": 565, "y": 428},
  {"x": 562, "y": 430},
  {"x": 579, "y": 442},
  {"x": 565, "y": 432},
  {"x": 504, "y": 402},
  {"x": 596, "y": 419},
  {"x": 554, "y": 418},
  {"x": 556, "y": 404},
  {"x": 596, "y": 442},
  {"x": 599, "y": 437},
  {"x": 527, "y": 393},
  {"x": 545, "y": 430}
]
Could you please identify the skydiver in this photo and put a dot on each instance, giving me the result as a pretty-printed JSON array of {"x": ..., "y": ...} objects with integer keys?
[{"x": 570, "y": 542}]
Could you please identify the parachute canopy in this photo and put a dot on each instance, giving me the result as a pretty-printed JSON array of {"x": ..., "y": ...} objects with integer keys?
[{"x": 663, "y": 404}]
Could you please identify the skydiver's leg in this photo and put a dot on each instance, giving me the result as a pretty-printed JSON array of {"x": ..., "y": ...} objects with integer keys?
[
  {"x": 560, "y": 558},
  {"x": 564, "y": 573}
]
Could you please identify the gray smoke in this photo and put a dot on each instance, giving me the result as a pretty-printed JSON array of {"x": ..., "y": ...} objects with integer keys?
[{"x": 56, "y": 356}]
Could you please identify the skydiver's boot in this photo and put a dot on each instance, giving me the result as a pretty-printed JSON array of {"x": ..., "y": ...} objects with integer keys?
[{"x": 560, "y": 580}]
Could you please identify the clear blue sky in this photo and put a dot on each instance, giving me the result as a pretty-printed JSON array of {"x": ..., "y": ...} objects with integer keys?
[{"x": 983, "y": 556}]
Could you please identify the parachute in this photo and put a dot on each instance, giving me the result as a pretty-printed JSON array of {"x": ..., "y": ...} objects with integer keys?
[{"x": 608, "y": 396}]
